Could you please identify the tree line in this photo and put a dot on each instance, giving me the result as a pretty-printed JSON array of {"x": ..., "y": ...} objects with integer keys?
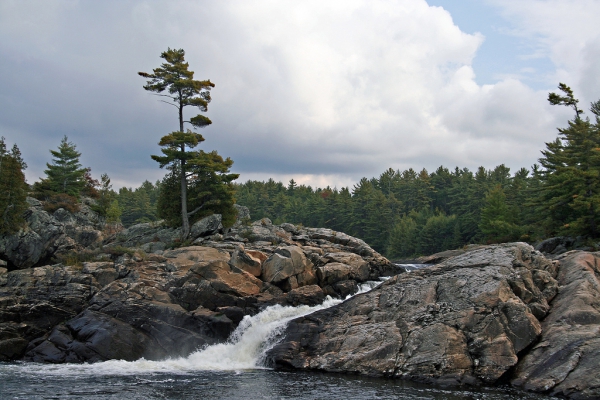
[
  {"x": 400, "y": 213},
  {"x": 407, "y": 213}
]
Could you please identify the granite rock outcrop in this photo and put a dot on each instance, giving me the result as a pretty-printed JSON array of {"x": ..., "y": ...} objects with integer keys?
[
  {"x": 488, "y": 315},
  {"x": 48, "y": 234},
  {"x": 143, "y": 298}
]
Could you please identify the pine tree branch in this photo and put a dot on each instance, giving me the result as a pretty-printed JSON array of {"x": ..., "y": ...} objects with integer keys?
[
  {"x": 195, "y": 210},
  {"x": 171, "y": 104}
]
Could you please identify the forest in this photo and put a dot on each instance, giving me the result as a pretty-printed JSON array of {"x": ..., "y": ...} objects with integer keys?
[{"x": 401, "y": 214}]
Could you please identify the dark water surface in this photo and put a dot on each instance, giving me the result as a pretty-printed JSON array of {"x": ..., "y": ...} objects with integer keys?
[{"x": 19, "y": 381}]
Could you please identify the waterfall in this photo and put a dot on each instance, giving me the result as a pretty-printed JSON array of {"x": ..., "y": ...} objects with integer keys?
[{"x": 245, "y": 349}]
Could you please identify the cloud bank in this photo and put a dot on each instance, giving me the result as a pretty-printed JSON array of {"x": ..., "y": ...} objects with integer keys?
[{"x": 322, "y": 92}]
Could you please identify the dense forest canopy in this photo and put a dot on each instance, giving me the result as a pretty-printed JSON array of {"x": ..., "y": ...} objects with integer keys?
[{"x": 408, "y": 213}]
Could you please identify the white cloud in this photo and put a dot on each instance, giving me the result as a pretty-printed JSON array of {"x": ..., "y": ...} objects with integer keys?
[
  {"x": 566, "y": 31},
  {"x": 312, "y": 90}
]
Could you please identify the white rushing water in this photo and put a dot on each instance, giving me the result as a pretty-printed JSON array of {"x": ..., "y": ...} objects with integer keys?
[{"x": 245, "y": 349}]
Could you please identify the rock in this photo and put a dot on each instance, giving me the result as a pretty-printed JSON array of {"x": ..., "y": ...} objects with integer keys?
[
  {"x": 140, "y": 234},
  {"x": 94, "y": 336},
  {"x": 559, "y": 245},
  {"x": 284, "y": 263},
  {"x": 246, "y": 262},
  {"x": 459, "y": 322},
  {"x": 565, "y": 360},
  {"x": 154, "y": 247},
  {"x": 12, "y": 342},
  {"x": 226, "y": 279},
  {"x": 259, "y": 255},
  {"x": 104, "y": 272},
  {"x": 243, "y": 215},
  {"x": 33, "y": 301},
  {"x": 46, "y": 234},
  {"x": 207, "y": 226},
  {"x": 310, "y": 295},
  {"x": 345, "y": 288},
  {"x": 342, "y": 266},
  {"x": 336, "y": 271},
  {"x": 290, "y": 228},
  {"x": 141, "y": 300}
]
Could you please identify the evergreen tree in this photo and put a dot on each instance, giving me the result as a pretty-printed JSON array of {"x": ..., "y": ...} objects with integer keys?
[
  {"x": 65, "y": 174},
  {"x": 105, "y": 196},
  {"x": 13, "y": 189},
  {"x": 570, "y": 179},
  {"x": 497, "y": 221},
  {"x": 139, "y": 205},
  {"x": 437, "y": 234},
  {"x": 403, "y": 238},
  {"x": 209, "y": 190},
  {"x": 175, "y": 77}
]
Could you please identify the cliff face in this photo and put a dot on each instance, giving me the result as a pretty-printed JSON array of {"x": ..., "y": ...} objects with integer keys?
[
  {"x": 565, "y": 360},
  {"x": 495, "y": 314}
]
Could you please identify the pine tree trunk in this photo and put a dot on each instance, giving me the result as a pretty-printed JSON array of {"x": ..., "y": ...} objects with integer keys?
[{"x": 185, "y": 222}]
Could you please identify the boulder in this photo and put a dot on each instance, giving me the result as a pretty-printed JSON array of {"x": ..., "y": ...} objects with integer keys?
[
  {"x": 140, "y": 234},
  {"x": 246, "y": 262},
  {"x": 226, "y": 279},
  {"x": 286, "y": 262},
  {"x": 243, "y": 215},
  {"x": 336, "y": 271},
  {"x": 310, "y": 295},
  {"x": 207, "y": 226},
  {"x": 458, "y": 322},
  {"x": 264, "y": 231}
]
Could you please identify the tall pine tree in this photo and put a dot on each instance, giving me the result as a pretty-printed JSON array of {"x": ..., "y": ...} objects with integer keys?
[
  {"x": 569, "y": 198},
  {"x": 175, "y": 77}
]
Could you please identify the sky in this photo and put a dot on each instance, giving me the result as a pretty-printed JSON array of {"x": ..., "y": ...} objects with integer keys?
[{"x": 325, "y": 92}]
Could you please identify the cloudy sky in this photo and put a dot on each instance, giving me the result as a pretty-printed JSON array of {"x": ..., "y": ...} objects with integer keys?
[{"x": 324, "y": 92}]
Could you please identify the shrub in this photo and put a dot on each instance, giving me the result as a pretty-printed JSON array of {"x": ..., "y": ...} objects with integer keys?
[
  {"x": 61, "y": 200},
  {"x": 76, "y": 258}
]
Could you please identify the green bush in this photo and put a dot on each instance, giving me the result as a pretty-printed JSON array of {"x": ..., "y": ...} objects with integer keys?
[{"x": 61, "y": 200}]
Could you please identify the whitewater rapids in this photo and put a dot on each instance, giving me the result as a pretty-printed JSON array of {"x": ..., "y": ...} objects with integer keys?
[{"x": 244, "y": 350}]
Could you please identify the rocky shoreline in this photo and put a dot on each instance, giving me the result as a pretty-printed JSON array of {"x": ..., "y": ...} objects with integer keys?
[
  {"x": 483, "y": 315},
  {"x": 495, "y": 314}
]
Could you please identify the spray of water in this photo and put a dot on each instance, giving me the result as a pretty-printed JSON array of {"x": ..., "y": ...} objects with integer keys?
[{"x": 245, "y": 349}]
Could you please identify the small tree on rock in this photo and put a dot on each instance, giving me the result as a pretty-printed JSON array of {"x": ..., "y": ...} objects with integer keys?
[{"x": 65, "y": 174}]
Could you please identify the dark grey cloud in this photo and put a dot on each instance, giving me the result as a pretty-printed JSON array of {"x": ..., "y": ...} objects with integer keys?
[{"x": 323, "y": 92}]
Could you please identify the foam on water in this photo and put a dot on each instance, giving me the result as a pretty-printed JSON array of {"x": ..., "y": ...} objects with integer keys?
[{"x": 245, "y": 349}]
